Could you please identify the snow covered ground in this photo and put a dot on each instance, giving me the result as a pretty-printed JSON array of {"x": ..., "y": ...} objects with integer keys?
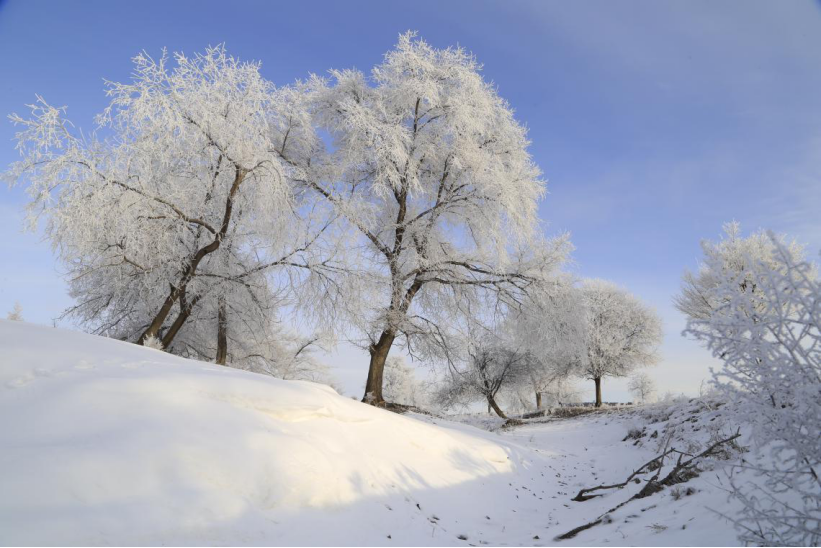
[{"x": 104, "y": 442}]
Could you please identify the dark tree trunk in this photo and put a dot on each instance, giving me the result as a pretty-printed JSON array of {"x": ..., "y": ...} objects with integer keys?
[
  {"x": 538, "y": 400},
  {"x": 185, "y": 311},
  {"x": 177, "y": 292},
  {"x": 379, "y": 353},
  {"x": 156, "y": 323},
  {"x": 191, "y": 268},
  {"x": 492, "y": 403},
  {"x": 222, "y": 334},
  {"x": 598, "y": 391},
  {"x": 181, "y": 318}
]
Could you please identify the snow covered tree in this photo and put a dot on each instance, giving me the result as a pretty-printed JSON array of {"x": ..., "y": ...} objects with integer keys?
[
  {"x": 185, "y": 204},
  {"x": 728, "y": 257},
  {"x": 642, "y": 387},
  {"x": 766, "y": 328},
  {"x": 297, "y": 358},
  {"x": 285, "y": 355},
  {"x": 489, "y": 370},
  {"x": 560, "y": 392},
  {"x": 622, "y": 333},
  {"x": 400, "y": 383},
  {"x": 16, "y": 313},
  {"x": 249, "y": 335},
  {"x": 551, "y": 326},
  {"x": 432, "y": 172}
]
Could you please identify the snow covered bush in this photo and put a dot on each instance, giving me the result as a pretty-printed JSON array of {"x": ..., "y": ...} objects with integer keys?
[
  {"x": 16, "y": 313},
  {"x": 153, "y": 342},
  {"x": 729, "y": 257},
  {"x": 764, "y": 323}
]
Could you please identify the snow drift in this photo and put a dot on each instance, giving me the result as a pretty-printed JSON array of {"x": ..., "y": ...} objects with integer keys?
[{"x": 103, "y": 441}]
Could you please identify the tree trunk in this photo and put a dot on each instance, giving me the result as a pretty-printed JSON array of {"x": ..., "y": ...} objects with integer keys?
[
  {"x": 191, "y": 268},
  {"x": 181, "y": 318},
  {"x": 492, "y": 403},
  {"x": 185, "y": 311},
  {"x": 155, "y": 325},
  {"x": 538, "y": 400},
  {"x": 598, "y": 391},
  {"x": 222, "y": 334},
  {"x": 489, "y": 409},
  {"x": 379, "y": 353}
]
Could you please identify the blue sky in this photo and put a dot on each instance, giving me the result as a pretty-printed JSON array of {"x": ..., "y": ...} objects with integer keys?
[{"x": 654, "y": 122}]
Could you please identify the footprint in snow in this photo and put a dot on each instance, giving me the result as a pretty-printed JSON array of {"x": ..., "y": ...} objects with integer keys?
[{"x": 28, "y": 378}]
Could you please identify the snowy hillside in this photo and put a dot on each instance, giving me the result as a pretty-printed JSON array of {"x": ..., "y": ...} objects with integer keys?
[{"x": 103, "y": 442}]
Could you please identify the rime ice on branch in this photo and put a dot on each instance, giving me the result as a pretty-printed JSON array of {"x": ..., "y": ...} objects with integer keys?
[
  {"x": 433, "y": 174},
  {"x": 178, "y": 224},
  {"x": 622, "y": 333},
  {"x": 756, "y": 304}
]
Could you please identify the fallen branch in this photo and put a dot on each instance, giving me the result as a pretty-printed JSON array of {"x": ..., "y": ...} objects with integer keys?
[
  {"x": 684, "y": 470},
  {"x": 582, "y": 495}
]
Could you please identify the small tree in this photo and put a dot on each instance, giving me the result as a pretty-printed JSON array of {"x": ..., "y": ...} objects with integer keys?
[
  {"x": 16, "y": 313},
  {"x": 550, "y": 325},
  {"x": 283, "y": 354},
  {"x": 765, "y": 325},
  {"x": 401, "y": 385},
  {"x": 561, "y": 392},
  {"x": 642, "y": 387},
  {"x": 622, "y": 333},
  {"x": 488, "y": 371}
]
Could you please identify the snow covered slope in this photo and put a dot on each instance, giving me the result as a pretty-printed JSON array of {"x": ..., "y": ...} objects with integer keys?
[{"x": 104, "y": 442}]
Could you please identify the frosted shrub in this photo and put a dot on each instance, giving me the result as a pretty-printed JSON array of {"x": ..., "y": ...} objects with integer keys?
[
  {"x": 400, "y": 383},
  {"x": 16, "y": 314},
  {"x": 153, "y": 342},
  {"x": 765, "y": 325}
]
